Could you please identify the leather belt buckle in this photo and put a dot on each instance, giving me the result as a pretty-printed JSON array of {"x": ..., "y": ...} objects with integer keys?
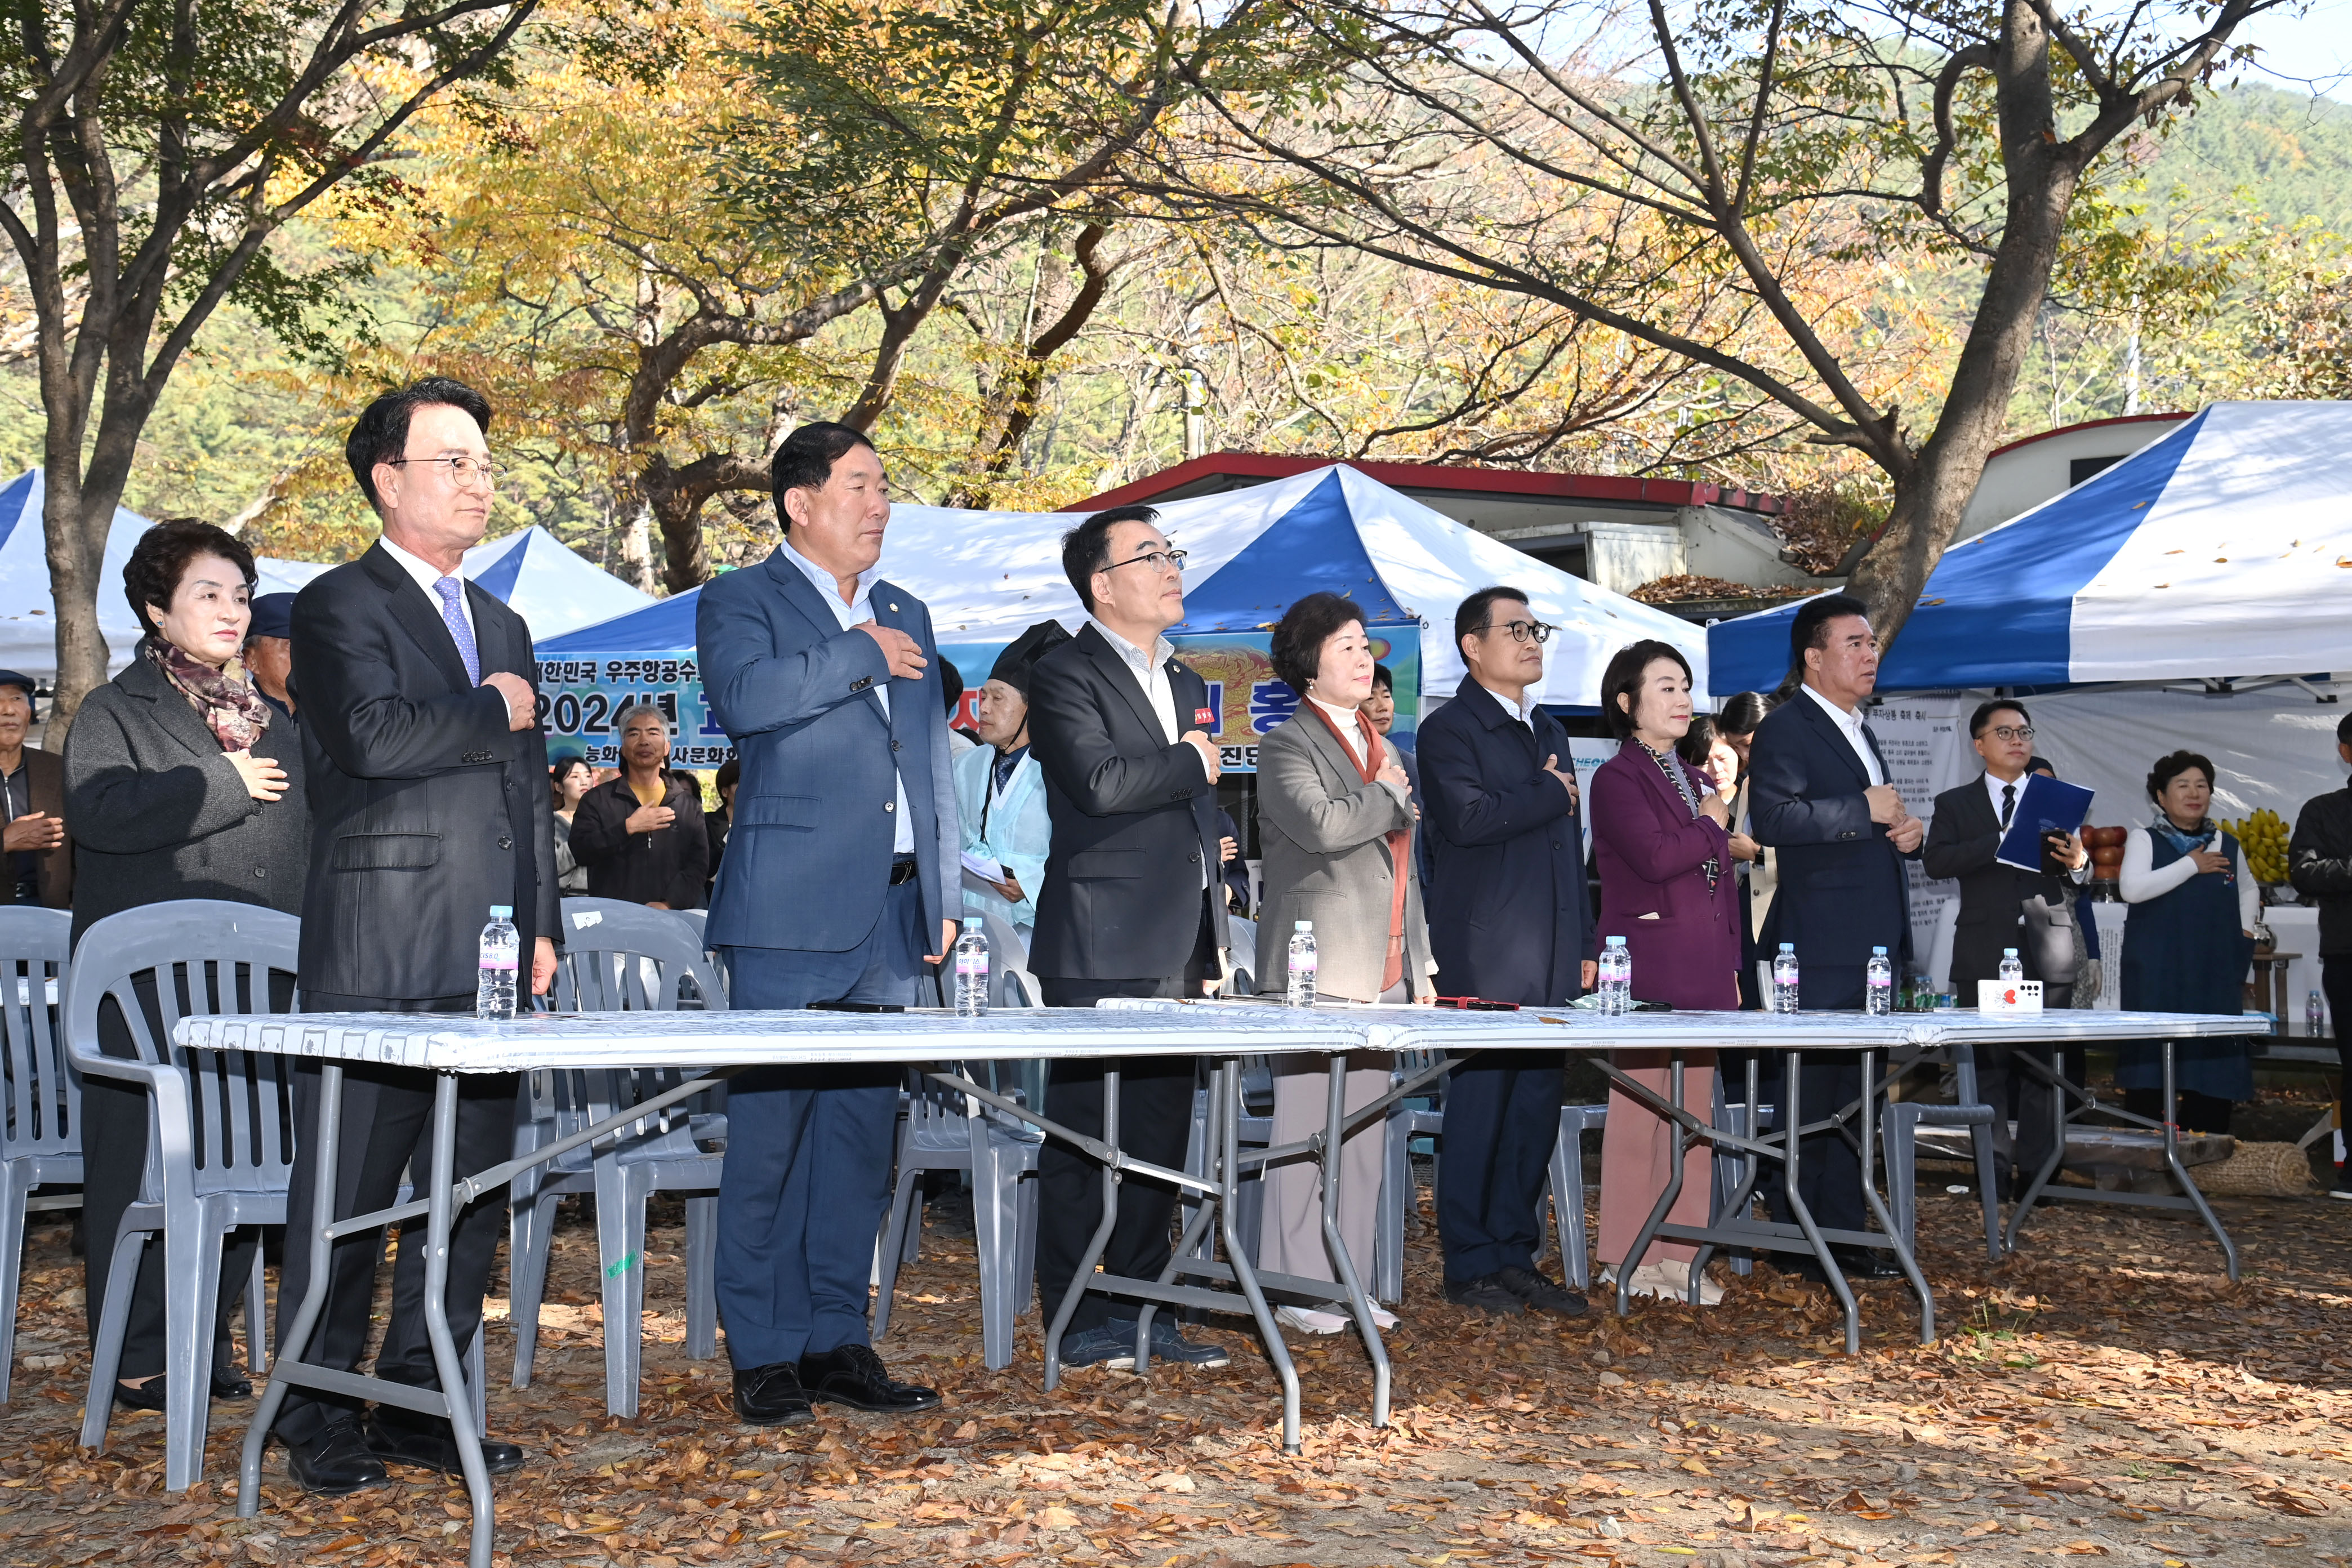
[{"x": 901, "y": 871}]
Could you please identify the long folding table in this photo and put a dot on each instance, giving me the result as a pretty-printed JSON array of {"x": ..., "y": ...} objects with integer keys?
[{"x": 719, "y": 1043}]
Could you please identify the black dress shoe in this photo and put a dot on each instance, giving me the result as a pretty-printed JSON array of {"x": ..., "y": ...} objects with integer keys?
[
  {"x": 400, "y": 1437},
  {"x": 1484, "y": 1294},
  {"x": 227, "y": 1383},
  {"x": 852, "y": 1375},
  {"x": 335, "y": 1460},
  {"x": 1868, "y": 1263},
  {"x": 1540, "y": 1293},
  {"x": 772, "y": 1395}
]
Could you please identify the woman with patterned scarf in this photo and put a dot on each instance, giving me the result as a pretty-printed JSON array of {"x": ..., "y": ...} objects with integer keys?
[
  {"x": 177, "y": 786},
  {"x": 2186, "y": 947}
]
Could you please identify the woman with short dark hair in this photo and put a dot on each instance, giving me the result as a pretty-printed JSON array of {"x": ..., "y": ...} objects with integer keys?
[
  {"x": 1661, "y": 842},
  {"x": 2188, "y": 943},
  {"x": 1336, "y": 821},
  {"x": 177, "y": 786}
]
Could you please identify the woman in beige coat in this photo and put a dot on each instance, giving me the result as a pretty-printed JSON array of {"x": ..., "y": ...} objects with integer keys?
[{"x": 1336, "y": 820}]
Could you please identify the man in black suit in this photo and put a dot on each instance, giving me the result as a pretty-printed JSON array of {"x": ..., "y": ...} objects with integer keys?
[
  {"x": 1964, "y": 844},
  {"x": 1822, "y": 799},
  {"x": 1130, "y": 905},
  {"x": 429, "y": 804},
  {"x": 1510, "y": 920}
]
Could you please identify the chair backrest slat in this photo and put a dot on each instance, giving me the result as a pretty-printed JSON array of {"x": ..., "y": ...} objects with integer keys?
[
  {"x": 43, "y": 1095},
  {"x": 196, "y": 957}
]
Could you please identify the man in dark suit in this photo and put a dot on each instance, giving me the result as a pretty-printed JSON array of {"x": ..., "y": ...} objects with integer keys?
[
  {"x": 1964, "y": 844},
  {"x": 40, "y": 855},
  {"x": 1821, "y": 798},
  {"x": 1510, "y": 920},
  {"x": 835, "y": 887},
  {"x": 1130, "y": 906},
  {"x": 428, "y": 800}
]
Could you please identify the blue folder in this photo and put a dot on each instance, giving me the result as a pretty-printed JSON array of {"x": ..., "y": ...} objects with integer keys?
[{"x": 2048, "y": 805}]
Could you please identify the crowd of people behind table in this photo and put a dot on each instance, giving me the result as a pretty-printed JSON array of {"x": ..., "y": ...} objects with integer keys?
[{"x": 369, "y": 754}]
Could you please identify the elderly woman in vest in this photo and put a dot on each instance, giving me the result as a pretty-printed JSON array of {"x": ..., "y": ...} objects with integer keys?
[
  {"x": 181, "y": 783},
  {"x": 1335, "y": 822}
]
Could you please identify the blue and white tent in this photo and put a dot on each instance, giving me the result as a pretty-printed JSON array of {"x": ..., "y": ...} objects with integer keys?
[
  {"x": 551, "y": 587},
  {"x": 987, "y": 575},
  {"x": 2224, "y": 549},
  {"x": 29, "y": 622}
]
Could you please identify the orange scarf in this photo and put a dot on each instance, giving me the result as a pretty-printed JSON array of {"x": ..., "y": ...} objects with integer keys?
[{"x": 1399, "y": 841}]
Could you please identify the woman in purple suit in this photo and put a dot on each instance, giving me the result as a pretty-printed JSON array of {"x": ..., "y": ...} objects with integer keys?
[{"x": 1662, "y": 841}]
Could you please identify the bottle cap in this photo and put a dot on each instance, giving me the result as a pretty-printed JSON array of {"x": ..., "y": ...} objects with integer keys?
[
  {"x": 2009, "y": 952},
  {"x": 502, "y": 911},
  {"x": 1616, "y": 941},
  {"x": 972, "y": 922},
  {"x": 1788, "y": 947},
  {"x": 1878, "y": 952},
  {"x": 1303, "y": 925}
]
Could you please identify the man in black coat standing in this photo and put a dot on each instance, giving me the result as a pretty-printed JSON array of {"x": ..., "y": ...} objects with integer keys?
[
  {"x": 1822, "y": 799},
  {"x": 2319, "y": 859},
  {"x": 1130, "y": 906},
  {"x": 429, "y": 806},
  {"x": 1510, "y": 920},
  {"x": 1964, "y": 844}
]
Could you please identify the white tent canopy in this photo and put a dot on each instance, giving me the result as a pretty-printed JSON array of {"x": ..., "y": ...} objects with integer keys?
[{"x": 553, "y": 588}]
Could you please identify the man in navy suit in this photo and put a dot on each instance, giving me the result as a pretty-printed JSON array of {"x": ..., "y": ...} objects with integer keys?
[
  {"x": 836, "y": 888},
  {"x": 1823, "y": 800},
  {"x": 1510, "y": 920}
]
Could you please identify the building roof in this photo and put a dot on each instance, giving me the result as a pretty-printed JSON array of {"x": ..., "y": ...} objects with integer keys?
[
  {"x": 2087, "y": 425},
  {"x": 1233, "y": 470}
]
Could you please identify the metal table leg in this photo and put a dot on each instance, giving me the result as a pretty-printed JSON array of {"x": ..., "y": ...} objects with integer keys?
[
  {"x": 324, "y": 1177},
  {"x": 1335, "y": 1134},
  {"x": 447, "y": 1364},
  {"x": 1101, "y": 1239}
]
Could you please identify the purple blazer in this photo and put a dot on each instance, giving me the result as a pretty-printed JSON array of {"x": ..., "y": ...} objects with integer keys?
[{"x": 1651, "y": 854}]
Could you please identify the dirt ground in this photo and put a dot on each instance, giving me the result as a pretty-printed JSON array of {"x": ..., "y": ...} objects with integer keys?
[{"x": 2106, "y": 1393}]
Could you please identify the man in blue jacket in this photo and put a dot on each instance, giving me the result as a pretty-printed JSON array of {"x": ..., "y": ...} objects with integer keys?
[
  {"x": 836, "y": 888},
  {"x": 1823, "y": 798},
  {"x": 1510, "y": 920}
]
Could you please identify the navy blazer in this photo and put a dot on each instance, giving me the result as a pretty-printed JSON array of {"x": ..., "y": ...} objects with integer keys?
[
  {"x": 1135, "y": 819},
  {"x": 1843, "y": 889},
  {"x": 809, "y": 847},
  {"x": 1510, "y": 918},
  {"x": 425, "y": 808}
]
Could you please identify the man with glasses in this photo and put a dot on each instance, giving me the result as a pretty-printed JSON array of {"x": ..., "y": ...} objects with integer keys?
[
  {"x": 429, "y": 801},
  {"x": 1998, "y": 910},
  {"x": 1131, "y": 907},
  {"x": 1510, "y": 920}
]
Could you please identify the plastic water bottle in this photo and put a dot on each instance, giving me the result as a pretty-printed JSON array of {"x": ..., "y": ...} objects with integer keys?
[
  {"x": 1878, "y": 983},
  {"x": 2315, "y": 1015},
  {"x": 1302, "y": 963},
  {"x": 493, "y": 993},
  {"x": 2013, "y": 970},
  {"x": 1616, "y": 977},
  {"x": 1784, "y": 978},
  {"x": 972, "y": 969}
]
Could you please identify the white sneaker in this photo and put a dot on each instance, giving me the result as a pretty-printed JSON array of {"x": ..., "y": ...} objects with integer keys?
[{"x": 1308, "y": 1320}]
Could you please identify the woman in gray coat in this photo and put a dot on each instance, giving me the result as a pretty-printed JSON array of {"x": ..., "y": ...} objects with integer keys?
[
  {"x": 1336, "y": 820},
  {"x": 181, "y": 783}
]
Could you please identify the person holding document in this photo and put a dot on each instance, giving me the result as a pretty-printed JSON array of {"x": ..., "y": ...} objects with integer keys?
[{"x": 2004, "y": 905}]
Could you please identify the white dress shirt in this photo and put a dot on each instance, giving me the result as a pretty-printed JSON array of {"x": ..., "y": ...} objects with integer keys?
[
  {"x": 858, "y": 610},
  {"x": 426, "y": 574},
  {"x": 1150, "y": 672},
  {"x": 1851, "y": 724},
  {"x": 1522, "y": 707}
]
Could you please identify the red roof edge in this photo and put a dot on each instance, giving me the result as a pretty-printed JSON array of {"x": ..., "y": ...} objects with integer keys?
[
  {"x": 1435, "y": 477},
  {"x": 2089, "y": 425}
]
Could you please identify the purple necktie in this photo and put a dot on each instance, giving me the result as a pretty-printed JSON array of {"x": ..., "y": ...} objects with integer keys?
[{"x": 453, "y": 615}]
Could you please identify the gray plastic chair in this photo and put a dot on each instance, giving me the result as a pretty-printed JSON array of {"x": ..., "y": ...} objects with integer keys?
[
  {"x": 1567, "y": 1189},
  {"x": 218, "y": 1148},
  {"x": 1406, "y": 1122},
  {"x": 618, "y": 957},
  {"x": 1899, "y": 1123},
  {"x": 40, "y": 1142},
  {"x": 944, "y": 1130}
]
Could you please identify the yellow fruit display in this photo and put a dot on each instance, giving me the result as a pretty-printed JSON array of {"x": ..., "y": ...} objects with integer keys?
[{"x": 2264, "y": 836}]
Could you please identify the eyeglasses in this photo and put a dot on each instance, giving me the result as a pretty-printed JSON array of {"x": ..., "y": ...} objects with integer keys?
[
  {"x": 465, "y": 471},
  {"x": 2010, "y": 732},
  {"x": 1158, "y": 561},
  {"x": 1522, "y": 630}
]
